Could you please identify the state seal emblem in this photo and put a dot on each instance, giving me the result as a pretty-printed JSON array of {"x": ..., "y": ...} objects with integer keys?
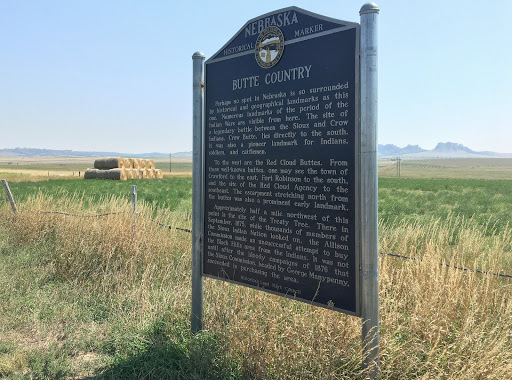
[{"x": 269, "y": 47}]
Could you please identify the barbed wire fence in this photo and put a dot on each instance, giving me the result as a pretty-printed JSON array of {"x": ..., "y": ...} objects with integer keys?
[
  {"x": 16, "y": 207},
  {"x": 448, "y": 265},
  {"x": 136, "y": 214},
  {"x": 388, "y": 169},
  {"x": 77, "y": 215},
  {"x": 166, "y": 225}
]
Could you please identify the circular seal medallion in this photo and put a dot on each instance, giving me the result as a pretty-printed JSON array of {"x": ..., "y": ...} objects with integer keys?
[{"x": 269, "y": 47}]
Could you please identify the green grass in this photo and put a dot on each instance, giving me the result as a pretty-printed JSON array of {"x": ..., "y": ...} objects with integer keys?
[
  {"x": 56, "y": 325},
  {"x": 72, "y": 323},
  {"x": 487, "y": 202},
  {"x": 165, "y": 193}
]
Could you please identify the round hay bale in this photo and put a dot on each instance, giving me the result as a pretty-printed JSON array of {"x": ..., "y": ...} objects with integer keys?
[
  {"x": 143, "y": 164},
  {"x": 143, "y": 174},
  {"x": 159, "y": 174},
  {"x": 130, "y": 173},
  {"x": 109, "y": 163},
  {"x": 136, "y": 163},
  {"x": 128, "y": 163},
  {"x": 116, "y": 174},
  {"x": 151, "y": 173},
  {"x": 90, "y": 173},
  {"x": 150, "y": 164}
]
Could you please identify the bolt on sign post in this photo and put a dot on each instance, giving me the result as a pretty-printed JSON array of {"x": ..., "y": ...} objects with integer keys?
[{"x": 285, "y": 164}]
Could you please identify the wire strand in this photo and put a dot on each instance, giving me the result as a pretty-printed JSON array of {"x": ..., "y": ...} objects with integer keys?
[
  {"x": 450, "y": 266},
  {"x": 76, "y": 215},
  {"x": 166, "y": 225},
  {"x": 170, "y": 227}
]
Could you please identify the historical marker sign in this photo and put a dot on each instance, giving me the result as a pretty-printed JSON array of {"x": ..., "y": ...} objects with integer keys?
[{"x": 281, "y": 159}]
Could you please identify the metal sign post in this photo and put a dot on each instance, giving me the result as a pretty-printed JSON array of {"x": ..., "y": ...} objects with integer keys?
[
  {"x": 197, "y": 191},
  {"x": 369, "y": 183}
]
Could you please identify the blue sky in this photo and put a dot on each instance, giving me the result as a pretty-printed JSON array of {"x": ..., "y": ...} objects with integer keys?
[{"x": 116, "y": 75}]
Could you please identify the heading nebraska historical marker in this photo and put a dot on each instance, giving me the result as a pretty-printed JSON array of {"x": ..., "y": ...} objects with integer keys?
[{"x": 281, "y": 159}]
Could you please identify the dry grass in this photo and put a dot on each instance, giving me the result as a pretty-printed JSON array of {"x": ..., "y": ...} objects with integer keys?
[
  {"x": 107, "y": 251},
  {"x": 436, "y": 322},
  {"x": 440, "y": 322}
]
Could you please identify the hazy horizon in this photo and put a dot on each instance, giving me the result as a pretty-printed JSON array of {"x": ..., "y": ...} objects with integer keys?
[{"x": 190, "y": 151}]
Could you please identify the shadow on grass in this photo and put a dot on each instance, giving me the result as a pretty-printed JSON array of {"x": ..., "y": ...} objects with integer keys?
[{"x": 156, "y": 356}]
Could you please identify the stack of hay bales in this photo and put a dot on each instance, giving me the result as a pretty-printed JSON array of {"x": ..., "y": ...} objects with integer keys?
[{"x": 122, "y": 169}]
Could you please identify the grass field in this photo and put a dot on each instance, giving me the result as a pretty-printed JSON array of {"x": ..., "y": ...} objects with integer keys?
[
  {"x": 164, "y": 193},
  {"x": 474, "y": 168},
  {"x": 486, "y": 202},
  {"x": 83, "y": 298}
]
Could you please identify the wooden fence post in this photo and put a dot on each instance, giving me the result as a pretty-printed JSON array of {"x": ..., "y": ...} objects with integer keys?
[
  {"x": 134, "y": 203},
  {"x": 9, "y": 195}
]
